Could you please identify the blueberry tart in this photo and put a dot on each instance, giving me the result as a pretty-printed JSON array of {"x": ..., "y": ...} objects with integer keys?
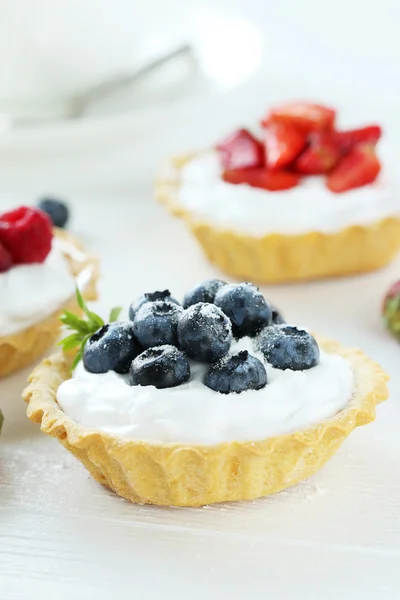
[{"x": 227, "y": 403}]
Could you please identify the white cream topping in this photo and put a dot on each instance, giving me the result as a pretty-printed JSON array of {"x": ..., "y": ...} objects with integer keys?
[
  {"x": 29, "y": 293},
  {"x": 308, "y": 207},
  {"x": 192, "y": 413}
]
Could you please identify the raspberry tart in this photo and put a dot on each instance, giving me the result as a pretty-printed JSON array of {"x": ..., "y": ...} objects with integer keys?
[
  {"x": 39, "y": 269},
  {"x": 214, "y": 400},
  {"x": 299, "y": 200}
]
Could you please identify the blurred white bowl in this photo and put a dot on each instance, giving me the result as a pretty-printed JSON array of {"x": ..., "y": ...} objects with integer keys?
[
  {"x": 68, "y": 59},
  {"x": 53, "y": 51}
]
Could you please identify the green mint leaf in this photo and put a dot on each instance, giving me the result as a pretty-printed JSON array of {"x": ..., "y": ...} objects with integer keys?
[
  {"x": 95, "y": 321},
  {"x": 79, "y": 354},
  {"x": 80, "y": 299},
  {"x": 82, "y": 328},
  {"x": 71, "y": 341},
  {"x": 82, "y": 303},
  {"x": 77, "y": 359},
  {"x": 81, "y": 325},
  {"x": 74, "y": 322},
  {"x": 114, "y": 314}
]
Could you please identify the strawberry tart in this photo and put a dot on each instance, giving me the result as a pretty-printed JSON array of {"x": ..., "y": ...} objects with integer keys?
[
  {"x": 300, "y": 199},
  {"x": 39, "y": 269}
]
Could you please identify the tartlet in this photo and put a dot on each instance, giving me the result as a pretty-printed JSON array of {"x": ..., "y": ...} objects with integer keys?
[
  {"x": 25, "y": 346},
  {"x": 266, "y": 255},
  {"x": 278, "y": 258},
  {"x": 195, "y": 474}
]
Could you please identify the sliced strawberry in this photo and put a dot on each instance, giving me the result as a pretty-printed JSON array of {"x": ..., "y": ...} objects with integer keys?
[
  {"x": 283, "y": 144},
  {"x": 6, "y": 260},
  {"x": 347, "y": 140},
  {"x": 393, "y": 291},
  {"x": 320, "y": 157},
  {"x": 360, "y": 167},
  {"x": 391, "y": 309},
  {"x": 241, "y": 150},
  {"x": 273, "y": 181},
  {"x": 304, "y": 115}
]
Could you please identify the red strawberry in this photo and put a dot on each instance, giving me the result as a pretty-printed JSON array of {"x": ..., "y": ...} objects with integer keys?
[
  {"x": 304, "y": 115},
  {"x": 347, "y": 140},
  {"x": 391, "y": 309},
  {"x": 6, "y": 260},
  {"x": 283, "y": 144},
  {"x": 393, "y": 291},
  {"x": 360, "y": 167},
  {"x": 273, "y": 181},
  {"x": 320, "y": 157},
  {"x": 27, "y": 234},
  {"x": 241, "y": 150}
]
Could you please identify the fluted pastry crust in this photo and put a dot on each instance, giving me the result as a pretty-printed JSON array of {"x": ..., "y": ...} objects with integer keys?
[{"x": 193, "y": 475}]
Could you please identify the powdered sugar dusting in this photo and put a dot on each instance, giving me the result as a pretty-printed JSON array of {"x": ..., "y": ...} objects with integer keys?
[
  {"x": 209, "y": 319},
  {"x": 205, "y": 292},
  {"x": 159, "y": 307}
]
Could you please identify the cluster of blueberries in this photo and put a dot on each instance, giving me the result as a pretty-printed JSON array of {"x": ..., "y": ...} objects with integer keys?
[{"x": 162, "y": 336}]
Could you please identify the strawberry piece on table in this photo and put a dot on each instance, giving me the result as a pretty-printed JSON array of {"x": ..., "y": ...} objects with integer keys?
[
  {"x": 273, "y": 181},
  {"x": 358, "y": 168},
  {"x": 391, "y": 309},
  {"x": 6, "y": 260},
  {"x": 241, "y": 150},
  {"x": 347, "y": 140},
  {"x": 320, "y": 157},
  {"x": 283, "y": 144},
  {"x": 303, "y": 115},
  {"x": 27, "y": 234}
]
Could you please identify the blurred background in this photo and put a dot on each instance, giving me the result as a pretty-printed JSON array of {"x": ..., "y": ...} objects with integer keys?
[{"x": 93, "y": 95}]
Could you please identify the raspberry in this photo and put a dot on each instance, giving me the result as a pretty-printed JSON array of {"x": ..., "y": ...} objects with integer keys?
[
  {"x": 6, "y": 260},
  {"x": 26, "y": 233}
]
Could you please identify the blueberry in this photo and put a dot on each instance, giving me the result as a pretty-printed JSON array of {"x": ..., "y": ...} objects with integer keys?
[
  {"x": 277, "y": 318},
  {"x": 112, "y": 348},
  {"x": 163, "y": 367},
  {"x": 237, "y": 373},
  {"x": 204, "y": 332},
  {"x": 56, "y": 210},
  {"x": 149, "y": 297},
  {"x": 155, "y": 323},
  {"x": 286, "y": 347},
  {"x": 204, "y": 292},
  {"x": 246, "y": 307}
]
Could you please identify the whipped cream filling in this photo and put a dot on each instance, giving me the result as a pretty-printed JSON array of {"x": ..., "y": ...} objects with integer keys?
[
  {"x": 30, "y": 293},
  {"x": 192, "y": 413},
  {"x": 308, "y": 207}
]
